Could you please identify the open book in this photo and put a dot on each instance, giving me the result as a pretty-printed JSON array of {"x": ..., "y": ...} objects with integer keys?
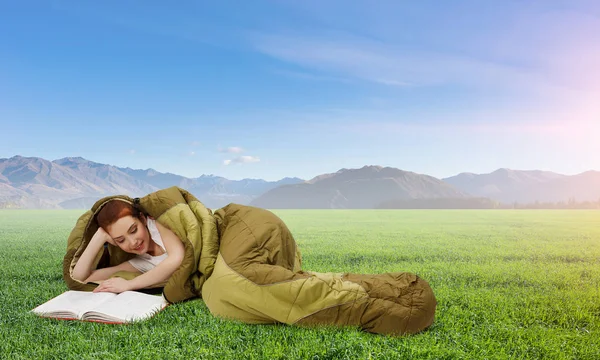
[{"x": 102, "y": 307}]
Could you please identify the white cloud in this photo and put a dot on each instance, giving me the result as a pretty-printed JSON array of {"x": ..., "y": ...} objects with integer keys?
[
  {"x": 242, "y": 160},
  {"x": 540, "y": 50},
  {"x": 232, "y": 150},
  {"x": 132, "y": 151},
  {"x": 192, "y": 153},
  {"x": 530, "y": 81},
  {"x": 388, "y": 64}
]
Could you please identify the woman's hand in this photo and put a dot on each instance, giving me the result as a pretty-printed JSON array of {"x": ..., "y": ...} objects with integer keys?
[
  {"x": 83, "y": 267},
  {"x": 115, "y": 285},
  {"x": 102, "y": 237}
]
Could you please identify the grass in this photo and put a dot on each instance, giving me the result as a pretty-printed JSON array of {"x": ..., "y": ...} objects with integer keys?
[{"x": 510, "y": 284}]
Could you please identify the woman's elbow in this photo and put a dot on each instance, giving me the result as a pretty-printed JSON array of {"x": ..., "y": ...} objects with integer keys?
[
  {"x": 178, "y": 259},
  {"x": 79, "y": 275},
  {"x": 179, "y": 254},
  {"x": 175, "y": 258},
  {"x": 84, "y": 279}
]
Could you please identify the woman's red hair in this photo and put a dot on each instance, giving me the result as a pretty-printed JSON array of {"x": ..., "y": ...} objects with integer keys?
[{"x": 113, "y": 211}]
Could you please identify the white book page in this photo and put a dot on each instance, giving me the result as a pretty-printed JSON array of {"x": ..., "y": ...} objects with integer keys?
[
  {"x": 73, "y": 302},
  {"x": 130, "y": 306}
]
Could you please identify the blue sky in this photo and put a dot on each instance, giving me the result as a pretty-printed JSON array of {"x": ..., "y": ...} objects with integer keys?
[{"x": 269, "y": 89}]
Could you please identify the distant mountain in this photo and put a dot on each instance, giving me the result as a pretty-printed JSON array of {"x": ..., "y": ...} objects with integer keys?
[
  {"x": 106, "y": 179},
  {"x": 522, "y": 186},
  {"x": 74, "y": 182},
  {"x": 363, "y": 188},
  {"x": 39, "y": 183},
  {"x": 580, "y": 187}
]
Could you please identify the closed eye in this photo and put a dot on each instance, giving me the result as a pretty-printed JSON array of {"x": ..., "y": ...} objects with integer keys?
[{"x": 132, "y": 230}]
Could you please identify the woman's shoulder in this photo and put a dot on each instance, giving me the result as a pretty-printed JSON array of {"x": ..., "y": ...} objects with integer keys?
[
  {"x": 173, "y": 244},
  {"x": 164, "y": 231}
]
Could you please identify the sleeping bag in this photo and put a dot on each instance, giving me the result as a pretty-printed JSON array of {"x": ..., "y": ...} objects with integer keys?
[{"x": 244, "y": 263}]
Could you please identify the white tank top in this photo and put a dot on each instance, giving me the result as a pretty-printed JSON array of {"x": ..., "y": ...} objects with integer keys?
[{"x": 147, "y": 262}]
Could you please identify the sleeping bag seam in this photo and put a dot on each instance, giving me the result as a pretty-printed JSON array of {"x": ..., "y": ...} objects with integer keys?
[
  {"x": 325, "y": 308},
  {"x": 287, "y": 318},
  {"x": 291, "y": 280}
]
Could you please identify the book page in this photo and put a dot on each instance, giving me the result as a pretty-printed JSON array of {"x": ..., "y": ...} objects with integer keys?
[
  {"x": 72, "y": 303},
  {"x": 128, "y": 306}
]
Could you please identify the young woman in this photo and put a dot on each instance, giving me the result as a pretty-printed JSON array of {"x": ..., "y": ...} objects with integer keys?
[{"x": 158, "y": 250}]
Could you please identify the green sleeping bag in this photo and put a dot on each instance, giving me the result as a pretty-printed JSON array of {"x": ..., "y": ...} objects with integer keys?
[{"x": 244, "y": 263}]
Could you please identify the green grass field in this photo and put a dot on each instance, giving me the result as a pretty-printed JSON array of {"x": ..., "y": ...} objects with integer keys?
[{"x": 510, "y": 284}]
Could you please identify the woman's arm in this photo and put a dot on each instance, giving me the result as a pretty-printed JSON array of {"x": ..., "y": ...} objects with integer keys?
[
  {"x": 103, "y": 274},
  {"x": 83, "y": 267},
  {"x": 163, "y": 271}
]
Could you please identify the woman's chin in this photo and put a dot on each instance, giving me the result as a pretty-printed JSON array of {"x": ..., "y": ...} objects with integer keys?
[{"x": 142, "y": 250}]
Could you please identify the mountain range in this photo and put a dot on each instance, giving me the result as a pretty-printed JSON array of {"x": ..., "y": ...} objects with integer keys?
[
  {"x": 508, "y": 186},
  {"x": 362, "y": 188},
  {"x": 74, "y": 182}
]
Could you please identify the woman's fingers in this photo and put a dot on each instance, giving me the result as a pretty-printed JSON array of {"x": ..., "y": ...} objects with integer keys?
[
  {"x": 106, "y": 286},
  {"x": 103, "y": 286}
]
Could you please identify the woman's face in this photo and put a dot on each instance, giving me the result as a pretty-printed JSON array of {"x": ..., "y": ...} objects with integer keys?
[{"x": 130, "y": 234}]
